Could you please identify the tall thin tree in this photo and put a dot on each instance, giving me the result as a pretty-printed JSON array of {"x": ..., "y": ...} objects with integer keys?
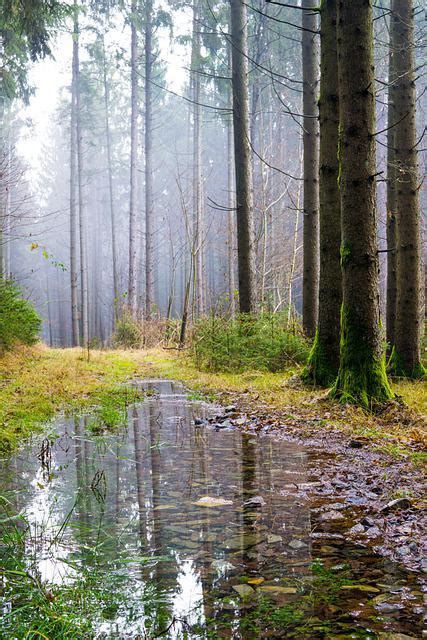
[
  {"x": 391, "y": 188},
  {"x": 310, "y": 72},
  {"x": 148, "y": 148},
  {"x": 242, "y": 158},
  {"x": 323, "y": 362},
  {"x": 362, "y": 377},
  {"x": 133, "y": 195},
  {"x": 409, "y": 316},
  {"x": 75, "y": 333}
]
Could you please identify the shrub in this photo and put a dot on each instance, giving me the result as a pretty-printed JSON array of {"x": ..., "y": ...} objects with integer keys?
[
  {"x": 128, "y": 332},
  {"x": 264, "y": 342},
  {"x": 19, "y": 322}
]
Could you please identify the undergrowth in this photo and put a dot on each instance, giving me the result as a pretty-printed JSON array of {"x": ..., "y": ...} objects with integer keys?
[
  {"x": 263, "y": 343},
  {"x": 19, "y": 322}
]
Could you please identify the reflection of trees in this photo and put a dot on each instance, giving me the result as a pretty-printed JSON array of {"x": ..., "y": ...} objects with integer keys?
[
  {"x": 249, "y": 490},
  {"x": 139, "y": 468}
]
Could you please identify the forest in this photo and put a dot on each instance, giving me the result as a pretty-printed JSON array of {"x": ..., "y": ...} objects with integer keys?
[{"x": 212, "y": 319}]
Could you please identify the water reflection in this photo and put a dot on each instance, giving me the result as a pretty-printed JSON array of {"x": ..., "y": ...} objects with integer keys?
[{"x": 125, "y": 506}]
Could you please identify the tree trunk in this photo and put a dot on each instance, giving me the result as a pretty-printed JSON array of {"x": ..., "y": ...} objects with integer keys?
[
  {"x": 230, "y": 219},
  {"x": 149, "y": 202},
  {"x": 242, "y": 158},
  {"x": 310, "y": 70},
  {"x": 362, "y": 377},
  {"x": 323, "y": 362},
  {"x": 391, "y": 191},
  {"x": 197, "y": 162},
  {"x": 110, "y": 186},
  {"x": 75, "y": 333},
  {"x": 82, "y": 213},
  {"x": 133, "y": 198},
  {"x": 409, "y": 317}
]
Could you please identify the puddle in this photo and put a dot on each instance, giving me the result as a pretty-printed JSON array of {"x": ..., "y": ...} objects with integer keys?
[{"x": 190, "y": 532}]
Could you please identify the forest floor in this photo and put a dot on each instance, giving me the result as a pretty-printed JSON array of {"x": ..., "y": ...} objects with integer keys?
[{"x": 371, "y": 484}]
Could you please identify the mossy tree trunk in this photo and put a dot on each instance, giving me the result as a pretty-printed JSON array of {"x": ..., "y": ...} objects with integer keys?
[
  {"x": 391, "y": 190},
  {"x": 323, "y": 363},
  {"x": 242, "y": 158},
  {"x": 409, "y": 316},
  {"x": 310, "y": 72},
  {"x": 362, "y": 377}
]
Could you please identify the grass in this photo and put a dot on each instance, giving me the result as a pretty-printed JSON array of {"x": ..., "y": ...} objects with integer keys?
[{"x": 37, "y": 382}]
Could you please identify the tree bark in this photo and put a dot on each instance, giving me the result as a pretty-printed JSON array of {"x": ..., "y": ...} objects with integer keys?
[
  {"x": 230, "y": 219},
  {"x": 323, "y": 362},
  {"x": 75, "y": 333},
  {"x": 242, "y": 158},
  {"x": 197, "y": 162},
  {"x": 310, "y": 70},
  {"x": 149, "y": 201},
  {"x": 81, "y": 202},
  {"x": 362, "y": 377},
  {"x": 110, "y": 185},
  {"x": 409, "y": 316},
  {"x": 391, "y": 191},
  {"x": 133, "y": 198}
]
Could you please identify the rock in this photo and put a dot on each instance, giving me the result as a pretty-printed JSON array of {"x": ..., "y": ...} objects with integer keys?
[
  {"x": 256, "y": 580},
  {"x": 230, "y": 409},
  {"x": 357, "y": 529},
  {"x": 332, "y": 515},
  {"x": 225, "y": 424},
  {"x": 372, "y": 532},
  {"x": 272, "y": 538},
  {"x": 244, "y": 590},
  {"x": 222, "y": 566},
  {"x": 395, "y": 636},
  {"x": 297, "y": 544},
  {"x": 236, "y": 543},
  {"x": 209, "y": 501},
  {"x": 256, "y": 501},
  {"x": 394, "y": 505},
  {"x": 198, "y": 422},
  {"x": 367, "y": 522},
  {"x": 360, "y": 587},
  {"x": 356, "y": 444},
  {"x": 277, "y": 589}
]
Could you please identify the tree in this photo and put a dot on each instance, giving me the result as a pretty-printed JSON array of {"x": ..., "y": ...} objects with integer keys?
[
  {"x": 310, "y": 71},
  {"x": 75, "y": 333},
  {"x": 323, "y": 361},
  {"x": 133, "y": 197},
  {"x": 409, "y": 317},
  {"x": 391, "y": 190},
  {"x": 362, "y": 377},
  {"x": 242, "y": 158},
  {"x": 148, "y": 148}
]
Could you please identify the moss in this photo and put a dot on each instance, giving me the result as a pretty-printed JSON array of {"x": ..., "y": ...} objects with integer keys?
[
  {"x": 362, "y": 378},
  {"x": 396, "y": 367},
  {"x": 319, "y": 370},
  {"x": 345, "y": 253}
]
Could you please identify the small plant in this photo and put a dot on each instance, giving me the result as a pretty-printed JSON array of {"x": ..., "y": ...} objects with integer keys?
[
  {"x": 128, "y": 332},
  {"x": 19, "y": 322},
  {"x": 248, "y": 343}
]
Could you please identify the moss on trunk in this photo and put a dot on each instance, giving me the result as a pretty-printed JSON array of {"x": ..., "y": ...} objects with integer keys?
[
  {"x": 362, "y": 377},
  {"x": 320, "y": 370}
]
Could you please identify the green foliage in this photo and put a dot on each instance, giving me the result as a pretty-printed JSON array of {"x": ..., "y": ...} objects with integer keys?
[
  {"x": 128, "y": 332},
  {"x": 248, "y": 343},
  {"x": 19, "y": 322}
]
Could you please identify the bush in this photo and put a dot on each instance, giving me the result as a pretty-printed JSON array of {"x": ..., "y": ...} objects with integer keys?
[
  {"x": 128, "y": 332},
  {"x": 19, "y": 322},
  {"x": 264, "y": 343}
]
